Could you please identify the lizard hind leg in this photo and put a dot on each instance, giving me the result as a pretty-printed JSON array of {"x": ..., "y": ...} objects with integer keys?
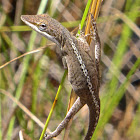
[
  {"x": 74, "y": 109},
  {"x": 82, "y": 39},
  {"x": 94, "y": 31},
  {"x": 82, "y": 34},
  {"x": 95, "y": 37}
]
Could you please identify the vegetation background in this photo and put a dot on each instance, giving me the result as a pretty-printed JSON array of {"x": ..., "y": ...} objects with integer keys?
[{"x": 34, "y": 79}]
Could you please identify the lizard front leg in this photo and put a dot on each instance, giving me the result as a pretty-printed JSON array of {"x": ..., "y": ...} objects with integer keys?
[{"x": 74, "y": 109}]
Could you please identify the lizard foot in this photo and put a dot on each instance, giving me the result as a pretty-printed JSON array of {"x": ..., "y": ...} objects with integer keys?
[{"x": 48, "y": 136}]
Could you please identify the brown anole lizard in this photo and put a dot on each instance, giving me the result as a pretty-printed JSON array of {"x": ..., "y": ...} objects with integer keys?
[{"x": 83, "y": 70}]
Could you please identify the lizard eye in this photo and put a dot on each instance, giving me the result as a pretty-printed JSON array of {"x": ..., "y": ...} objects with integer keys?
[{"x": 42, "y": 26}]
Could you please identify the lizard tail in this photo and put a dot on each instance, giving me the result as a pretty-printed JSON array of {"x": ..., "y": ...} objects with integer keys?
[{"x": 94, "y": 112}]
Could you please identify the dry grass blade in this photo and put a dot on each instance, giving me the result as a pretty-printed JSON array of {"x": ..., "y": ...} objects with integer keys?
[
  {"x": 30, "y": 52},
  {"x": 21, "y": 135},
  {"x": 129, "y": 22},
  {"x": 94, "y": 10},
  {"x": 33, "y": 80},
  {"x": 32, "y": 116},
  {"x": 71, "y": 102}
]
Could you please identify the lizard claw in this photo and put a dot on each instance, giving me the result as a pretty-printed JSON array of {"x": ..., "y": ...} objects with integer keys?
[
  {"x": 47, "y": 136},
  {"x": 50, "y": 135}
]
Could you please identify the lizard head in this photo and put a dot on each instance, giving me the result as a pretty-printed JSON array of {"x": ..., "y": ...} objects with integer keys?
[{"x": 45, "y": 25}]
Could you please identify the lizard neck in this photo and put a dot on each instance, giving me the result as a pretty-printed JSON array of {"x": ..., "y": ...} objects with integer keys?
[{"x": 64, "y": 36}]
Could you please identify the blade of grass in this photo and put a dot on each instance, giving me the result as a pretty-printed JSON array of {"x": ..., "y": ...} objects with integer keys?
[
  {"x": 36, "y": 74},
  {"x": 73, "y": 95},
  {"x": 10, "y": 129},
  {"x": 22, "y": 107},
  {"x": 85, "y": 15},
  {"x": 108, "y": 103},
  {"x": 9, "y": 42},
  {"x": 134, "y": 128},
  {"x": 115, "y": 99},
  {"x": 15, "y": 28},
  {"x": 121, "y": 49},
  {"x": 29, "y": 48},
  {"x": 54, "y": 103},
  {"x": 94, "y": 9},
  {"x": 72, "y": 99},
  {"x": 26, "y": 61},
  {"x": 0, "y": 119},
  {"x": 122, "y": 45},
  {"x": 27, "y": 28},
  {"x": 30, "y": 52},
  {"x": 50, "y": 114}
]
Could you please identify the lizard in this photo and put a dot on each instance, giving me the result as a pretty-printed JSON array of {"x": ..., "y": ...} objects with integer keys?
[{"x": 83, "y": 70}]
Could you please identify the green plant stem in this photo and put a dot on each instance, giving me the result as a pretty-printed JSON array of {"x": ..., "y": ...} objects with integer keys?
[
  {"x": 0, "y": 119},
  {"x": 50, "y": 114},
  {"x": 52, "y": 109},
  {"x": 85, "y": 15},
  {"x": 26, "y": 60},
  {"x": 111, "y": 100}
]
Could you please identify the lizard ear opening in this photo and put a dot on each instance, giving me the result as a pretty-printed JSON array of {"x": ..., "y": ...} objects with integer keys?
[{"x": 42, "y": 27}]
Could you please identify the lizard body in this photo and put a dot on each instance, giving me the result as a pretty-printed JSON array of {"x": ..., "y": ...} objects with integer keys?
[{"x": 83, "y": 70}]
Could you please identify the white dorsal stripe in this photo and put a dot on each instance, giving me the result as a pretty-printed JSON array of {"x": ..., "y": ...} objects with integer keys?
[{"x": 90, "y": 86}]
